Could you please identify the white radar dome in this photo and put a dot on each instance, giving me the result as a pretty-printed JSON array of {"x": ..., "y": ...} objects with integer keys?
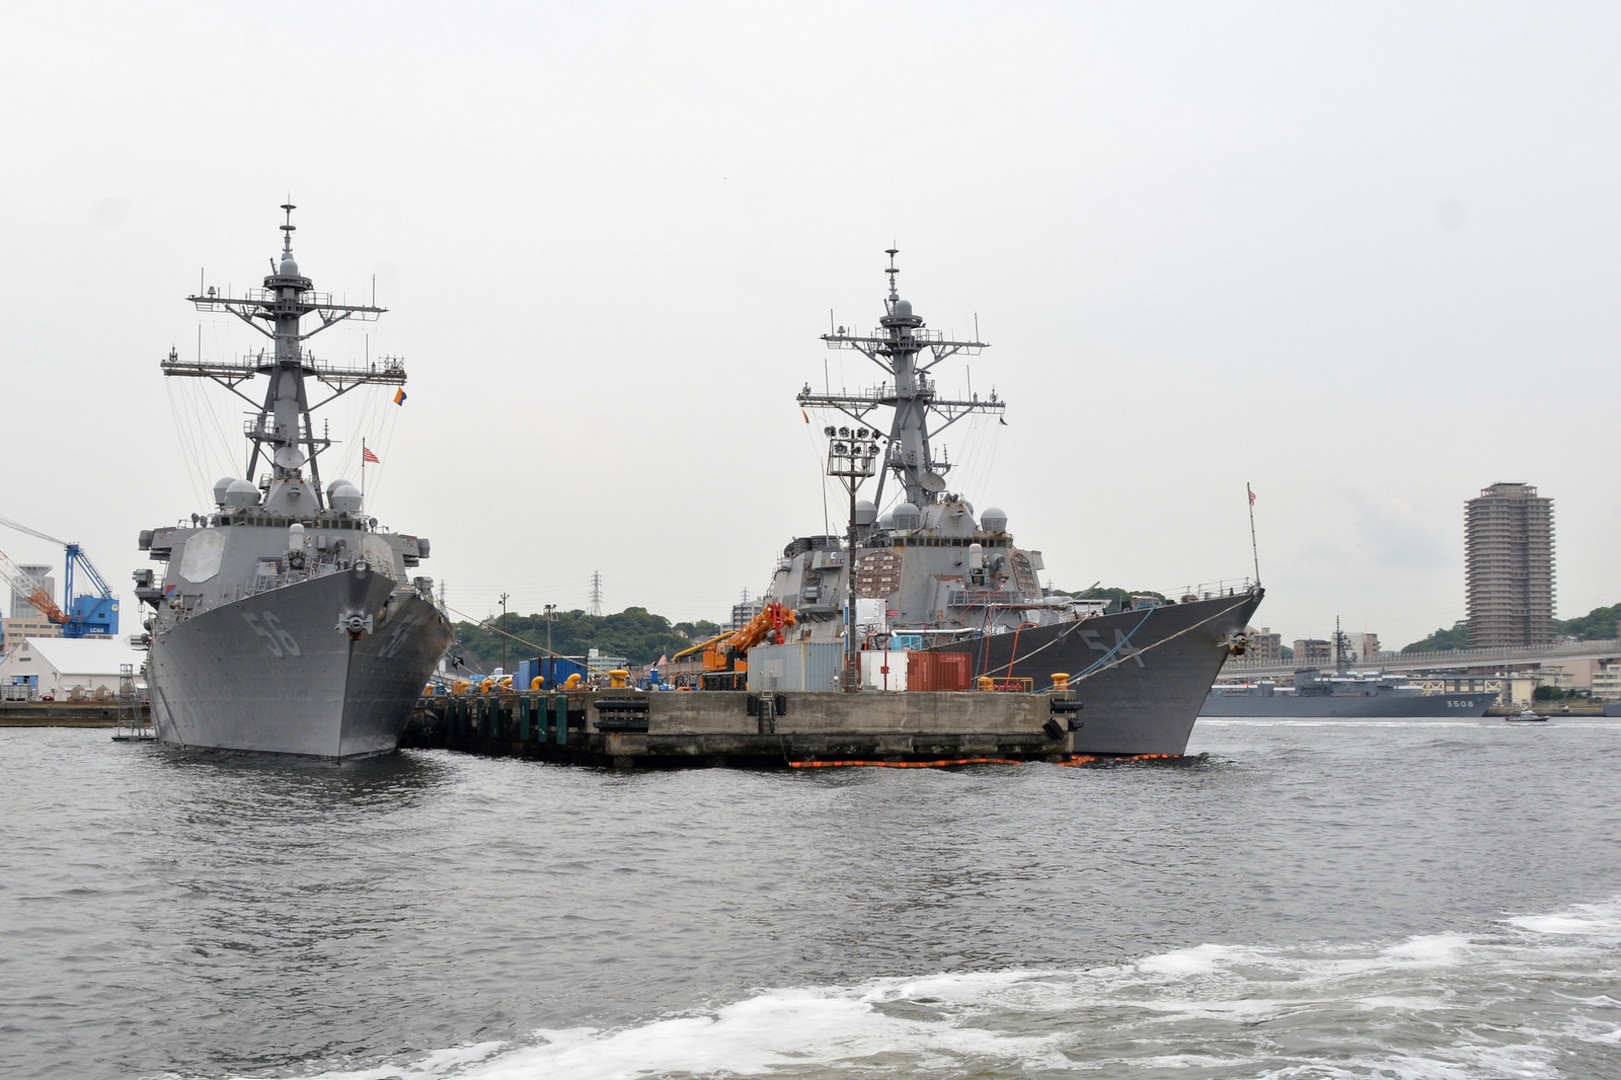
[
  {"x": 866, "y": 512},
  {"x": 221, "y": 486},
  {"x": 908, "y": 516},
  {"x": 994, "y": 520},
  {"x": 241, "y": 493},
  {"x": 343, "y": 497}
]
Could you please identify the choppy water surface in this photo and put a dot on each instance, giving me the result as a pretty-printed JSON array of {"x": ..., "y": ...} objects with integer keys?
[{"x": 1309, "y": 899}]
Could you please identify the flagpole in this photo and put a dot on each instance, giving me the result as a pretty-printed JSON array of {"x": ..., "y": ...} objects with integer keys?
[{"x": 1254, "y": 551}]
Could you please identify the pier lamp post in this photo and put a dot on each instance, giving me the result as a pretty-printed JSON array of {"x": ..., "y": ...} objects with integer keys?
[{"x": 852, "y": 454}]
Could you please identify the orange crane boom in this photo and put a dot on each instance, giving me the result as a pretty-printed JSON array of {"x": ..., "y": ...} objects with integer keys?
[{"x": 730, "y": 653}]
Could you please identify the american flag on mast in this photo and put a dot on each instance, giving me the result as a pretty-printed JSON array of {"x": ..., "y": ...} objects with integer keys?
[{"x": 367, "y": 455}]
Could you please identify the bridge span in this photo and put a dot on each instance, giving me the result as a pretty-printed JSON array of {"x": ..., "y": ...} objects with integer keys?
[{"x": 1481, "y": 661}]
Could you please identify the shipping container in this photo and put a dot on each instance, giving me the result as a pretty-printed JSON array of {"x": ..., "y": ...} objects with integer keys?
[
  {"x": 883, "y": 670},
  {"x": 936, "y": 671},
  {"x": 555, "y": 670},
  {"x": 798, "y": 665}
]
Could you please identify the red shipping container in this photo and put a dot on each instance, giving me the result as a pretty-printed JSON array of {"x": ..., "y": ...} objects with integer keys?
[{"x": 936, "y": 671}]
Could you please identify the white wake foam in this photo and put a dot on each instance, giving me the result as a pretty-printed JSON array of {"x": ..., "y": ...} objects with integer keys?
[{"x": 1516, "y": 1001}]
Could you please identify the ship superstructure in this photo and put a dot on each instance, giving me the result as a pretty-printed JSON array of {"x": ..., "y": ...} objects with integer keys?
[
  {"x": 937, "y": 576},
  {"x": 285, "y": 620}
]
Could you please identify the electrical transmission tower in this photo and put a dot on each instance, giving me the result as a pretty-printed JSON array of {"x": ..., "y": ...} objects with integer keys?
[{"x": 596, "y": 593}]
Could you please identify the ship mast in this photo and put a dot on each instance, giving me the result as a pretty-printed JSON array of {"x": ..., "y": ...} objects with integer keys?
[
  {"x": 896, "y": 346},
  {"x": 282, "y": 432}
]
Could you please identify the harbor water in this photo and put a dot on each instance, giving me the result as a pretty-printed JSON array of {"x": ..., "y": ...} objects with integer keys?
[{"x": 1302, "y": 899}]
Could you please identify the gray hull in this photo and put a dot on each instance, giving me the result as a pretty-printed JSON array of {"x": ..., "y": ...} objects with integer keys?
[
  {"x": 1348, "y": 706},
  {"x": 1140, "y": 676},
  {"x": 272, "y": 673}
]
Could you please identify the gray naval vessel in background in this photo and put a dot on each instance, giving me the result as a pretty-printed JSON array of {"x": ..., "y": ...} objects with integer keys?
[
  {"x": 285, "y": 621},
  {"x": 946, "y": 580},
  {"x": 1345, "y": 694}
]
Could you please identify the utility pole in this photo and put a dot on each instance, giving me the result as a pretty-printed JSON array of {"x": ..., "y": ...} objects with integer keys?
[
  {"x": 551, "y": 662},
  {"x": 503, "y": 633}
]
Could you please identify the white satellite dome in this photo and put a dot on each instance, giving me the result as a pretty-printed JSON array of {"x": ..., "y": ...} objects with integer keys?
[
  {"x": 343, "y": 497},
  {"x": 240, "y": 494}
]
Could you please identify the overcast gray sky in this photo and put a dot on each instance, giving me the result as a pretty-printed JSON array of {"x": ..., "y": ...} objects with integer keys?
[{"x": 1362, "y": 256}]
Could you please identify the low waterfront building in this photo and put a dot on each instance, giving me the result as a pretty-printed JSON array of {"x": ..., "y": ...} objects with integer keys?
[
  {"x": 69, "y": 668},
  {"x": 744, "y": 613},
  {"x": 1606, "y": 680},
  {"x": 1265, "y": 648},
  {"x": 1313, "y": 652},
  {"x": 1363, "y": 646}
]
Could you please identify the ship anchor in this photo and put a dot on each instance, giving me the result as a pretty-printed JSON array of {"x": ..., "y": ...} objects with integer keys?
[{"x": 354, "y": 624}]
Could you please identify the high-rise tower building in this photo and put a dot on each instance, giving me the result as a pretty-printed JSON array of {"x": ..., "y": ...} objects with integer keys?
[
  {"x": 1508, "y": 559},
  {"x": 20, "y": 607}
]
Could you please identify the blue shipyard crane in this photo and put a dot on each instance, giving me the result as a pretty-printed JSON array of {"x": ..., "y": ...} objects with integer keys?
[{"x": 93, "y": 614}]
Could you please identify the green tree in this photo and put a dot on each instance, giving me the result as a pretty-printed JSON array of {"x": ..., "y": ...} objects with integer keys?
[
  {"x": 1597, "y": 625},
  {"x": 635, "y": 633},
  {"x": 1119, "y": 599},
  {"x": 1600, "y": 624},
  {"x": 1443, "y": 639}
]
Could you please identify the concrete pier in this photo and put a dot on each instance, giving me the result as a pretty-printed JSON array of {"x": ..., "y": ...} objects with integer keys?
[
  {"x": 635, "y": 729},
  {"x": 68, "y": 714}
]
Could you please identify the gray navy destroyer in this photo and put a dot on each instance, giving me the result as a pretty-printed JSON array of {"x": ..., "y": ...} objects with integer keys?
[
  {"x": 284, "y": 620},
  {"x": 946, "y": 580}
]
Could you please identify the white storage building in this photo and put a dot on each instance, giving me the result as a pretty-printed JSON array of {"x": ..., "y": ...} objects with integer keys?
[{"x": 63, "y": 665}]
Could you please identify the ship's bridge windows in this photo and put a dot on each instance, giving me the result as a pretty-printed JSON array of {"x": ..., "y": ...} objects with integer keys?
[{"x": 947, "y": 541}]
